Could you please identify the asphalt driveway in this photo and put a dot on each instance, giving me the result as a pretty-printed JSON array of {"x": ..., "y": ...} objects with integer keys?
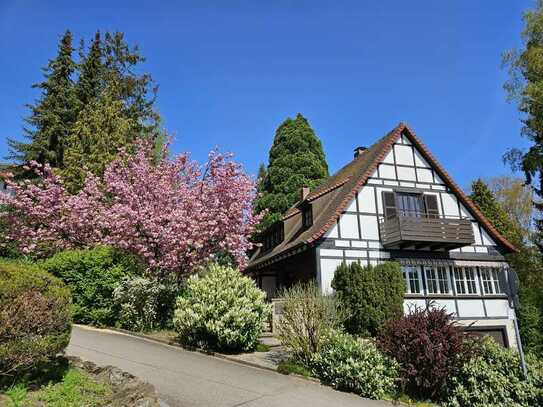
[{"x": 188, "y": 379}]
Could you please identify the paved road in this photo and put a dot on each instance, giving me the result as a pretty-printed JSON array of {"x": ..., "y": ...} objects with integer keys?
[{"x": 191, "y": 379}]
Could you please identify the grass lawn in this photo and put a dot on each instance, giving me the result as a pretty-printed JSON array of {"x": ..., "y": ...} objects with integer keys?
[{"x": 74, "y": 390}]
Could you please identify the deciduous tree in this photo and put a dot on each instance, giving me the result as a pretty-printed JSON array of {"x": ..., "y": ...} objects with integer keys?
[
  {"x": 485, "y": 200},
  {"x": 526, "y": 87},
  {"x": 175, "y": 215}
]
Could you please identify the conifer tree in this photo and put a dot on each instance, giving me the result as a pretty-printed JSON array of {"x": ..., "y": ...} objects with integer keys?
[
  {"x": 485, "y": 200},
  {"x": 54, "y": 113},
  {"x": 296, "y": 159},
  {"x": 100, "y": 131},
  {"x": 91, "y": 72}
]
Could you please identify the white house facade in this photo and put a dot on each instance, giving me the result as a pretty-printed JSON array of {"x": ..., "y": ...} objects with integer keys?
[{"x": 394, "y": 202}]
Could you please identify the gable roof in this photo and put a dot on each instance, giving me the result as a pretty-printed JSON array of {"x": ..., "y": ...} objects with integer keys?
[{"x": 337, "y": 192}]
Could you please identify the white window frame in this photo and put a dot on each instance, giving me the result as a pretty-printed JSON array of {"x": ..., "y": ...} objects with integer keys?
[
  {"x": 430, "y": 281},
  {"x": 407, "y": 270},
  {"x": 461, "y": 280},
  {"x": 490, "y": 280}
]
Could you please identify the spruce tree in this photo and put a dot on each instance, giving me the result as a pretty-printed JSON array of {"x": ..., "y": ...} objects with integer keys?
[
  {"x": 137, "y": 91},
  {"x": 91, "y": 80},
  {"x": 296, "y": 159},
  {"x": 107, "y": 69},
  {"x": 485, "y": 200},
  {"x": 54, "y": 113}
]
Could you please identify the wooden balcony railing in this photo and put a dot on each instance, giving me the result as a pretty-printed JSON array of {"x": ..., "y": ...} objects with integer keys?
[{"x": 420, "y": 230}]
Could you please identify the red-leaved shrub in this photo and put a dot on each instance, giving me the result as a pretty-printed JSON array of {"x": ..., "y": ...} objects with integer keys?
[{"x": 429, "y": 347}]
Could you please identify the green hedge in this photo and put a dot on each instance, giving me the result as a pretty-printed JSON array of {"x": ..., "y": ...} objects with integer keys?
[
  {"x": 369, "y": 295},
  {"x": 348, "y": 364},
  {"x": 35, "y": 320},
  {"x": 92, "y": 276},
  {"x": 492, "y": 377}
]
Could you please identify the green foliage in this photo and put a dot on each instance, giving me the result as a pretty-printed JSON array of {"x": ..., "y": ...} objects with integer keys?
[
  {"x": 35, "y": 320},
  {"x": 296, "y": 159},
  {"x": 221, "y": 310},
  {"x": 292, "y": 367},
  {"x": 92, "y": 275},
  {"x": 526, "y": 86},
  {"x": 100, "y": 131},
  {"x": 485, "y": 200},
  {"x": 17, "y": 394},
  {"x": 54, "y": 113},
  {"x": 351, "y": 365},
  {"x": 369, "y": 295},
  {"x": 307, "y": 317},
  {"x": 530, "y": 316},
  {"x": 145, "y": 304},
  {"x": 528, "y": 263},
  {"x": 107, "y": 107},
  {"x": 75, "y": 389},
  {"x": 493, "y": 378},
  {"x": 516, "y": 199},
  {"x": 261, "y": 347}
]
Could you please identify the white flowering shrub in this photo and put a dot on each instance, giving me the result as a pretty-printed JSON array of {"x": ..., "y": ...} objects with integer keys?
[
  {"x": 347, "y": 364},
  {"x": 145, "y": 304},
  {"x": 221, "y": 310}
]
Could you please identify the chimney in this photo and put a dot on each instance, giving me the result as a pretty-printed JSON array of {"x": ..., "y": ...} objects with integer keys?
[
  {"x": 304, "y": 192},
  {"x": 359, "y": 150}
]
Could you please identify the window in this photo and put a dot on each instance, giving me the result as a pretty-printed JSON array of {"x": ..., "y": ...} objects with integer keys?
[
  {"x": 410, "y": 205},
  {"x": 465, "y": 279},
  {"x": 273, "y": 236},
  {"x": 490, "y": 280},
  {"x": 437, "y": 280},
  {"x": 413, "y": 282},
  {"x": 307, "y": 217}
]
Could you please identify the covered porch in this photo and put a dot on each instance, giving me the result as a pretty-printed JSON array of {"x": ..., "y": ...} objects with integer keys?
[{"x": 283, "y": 272}]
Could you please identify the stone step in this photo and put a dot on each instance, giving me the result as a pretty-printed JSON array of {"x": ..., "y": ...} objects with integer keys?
[{"x": 270, "y": 341}]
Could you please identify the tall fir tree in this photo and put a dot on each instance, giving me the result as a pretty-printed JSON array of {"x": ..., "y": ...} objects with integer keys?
[
  {"x": 54, "y": 113},
  {"x": 526, "y": 87},
  {"x": 296, "y": 160},
  {"x": 485, "y": 200},
  {"x": 94, "y": 114},
  {"x": 137, "y": 91},
  {"x": 100, "y": 131},
  {"x": 91, "y": 80}
]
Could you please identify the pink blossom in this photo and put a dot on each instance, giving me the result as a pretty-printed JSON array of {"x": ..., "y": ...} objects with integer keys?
[{"x": 175, "y": 215}]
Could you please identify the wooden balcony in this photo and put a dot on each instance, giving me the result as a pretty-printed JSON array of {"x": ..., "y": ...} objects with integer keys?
[{"x": 420, "y": 231}]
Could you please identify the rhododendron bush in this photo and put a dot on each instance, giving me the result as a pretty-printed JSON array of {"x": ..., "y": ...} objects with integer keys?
[{"x": 174, "y": 214}]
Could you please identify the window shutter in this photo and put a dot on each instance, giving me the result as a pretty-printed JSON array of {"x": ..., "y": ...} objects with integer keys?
[
  {"x": 389, "y": 204},
  {"x": 432, "y": 209}
]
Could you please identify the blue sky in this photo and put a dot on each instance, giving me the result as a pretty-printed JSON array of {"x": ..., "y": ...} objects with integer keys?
[{"x": 231, "y": 71}]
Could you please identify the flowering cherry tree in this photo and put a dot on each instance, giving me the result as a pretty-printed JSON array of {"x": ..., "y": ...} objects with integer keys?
[{"x": 174, "y": 214}]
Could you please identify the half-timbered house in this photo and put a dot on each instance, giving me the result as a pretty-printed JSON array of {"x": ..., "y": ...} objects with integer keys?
[{"x": 394, "y": 201}]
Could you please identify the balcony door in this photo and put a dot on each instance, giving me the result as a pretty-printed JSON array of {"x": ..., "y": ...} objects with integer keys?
[{"x": 410, "y": 205}]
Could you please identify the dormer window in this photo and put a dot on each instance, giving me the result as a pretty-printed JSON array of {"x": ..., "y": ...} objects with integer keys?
[
  {"x": 273, "y": 236},
  {"x": 307, "y": 216}
]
